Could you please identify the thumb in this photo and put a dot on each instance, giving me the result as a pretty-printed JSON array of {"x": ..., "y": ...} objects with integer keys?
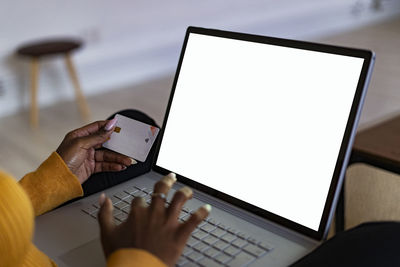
[
  {"x": 100, "y": 136},
  {"x": 105, "y": 217}
]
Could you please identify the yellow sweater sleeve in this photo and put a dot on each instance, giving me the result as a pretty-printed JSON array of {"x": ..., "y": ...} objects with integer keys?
[
  {"x": 47, "y": 187},
  {"x": 133, "y": 258},
  {"x": 51, "y": 185}
]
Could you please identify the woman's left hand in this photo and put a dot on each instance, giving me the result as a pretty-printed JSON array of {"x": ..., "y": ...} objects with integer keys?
[{"x": 78, "y": 150}]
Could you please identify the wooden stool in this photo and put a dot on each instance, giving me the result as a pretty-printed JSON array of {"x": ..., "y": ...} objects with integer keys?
[{"x": 37, "y": 50}]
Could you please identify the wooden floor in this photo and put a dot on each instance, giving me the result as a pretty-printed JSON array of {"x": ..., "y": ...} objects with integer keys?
[{"x": 22, "y": 150}]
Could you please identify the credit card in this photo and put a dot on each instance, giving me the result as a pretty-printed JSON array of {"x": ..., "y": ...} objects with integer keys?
[{"x": 132, "y": 138}]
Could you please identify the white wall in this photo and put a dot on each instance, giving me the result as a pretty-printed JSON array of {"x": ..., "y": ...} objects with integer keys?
[{"x": 130, "y": 41}]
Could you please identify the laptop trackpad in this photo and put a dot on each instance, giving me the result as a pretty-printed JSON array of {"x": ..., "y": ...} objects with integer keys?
[{"x": 89, "y": 254}]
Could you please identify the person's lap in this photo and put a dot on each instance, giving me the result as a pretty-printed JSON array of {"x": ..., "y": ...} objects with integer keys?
[{"x": 370, "y": 244}]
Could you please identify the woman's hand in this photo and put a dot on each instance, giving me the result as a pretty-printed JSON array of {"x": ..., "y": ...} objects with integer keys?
[
  {"x": 78, "y": 150},
  {"x": 154, "y": 228}
]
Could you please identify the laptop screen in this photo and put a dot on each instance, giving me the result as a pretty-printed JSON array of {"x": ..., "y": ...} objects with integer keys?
[{"x": 259, "y": 122}]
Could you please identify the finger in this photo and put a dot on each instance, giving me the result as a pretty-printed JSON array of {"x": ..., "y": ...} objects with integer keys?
[
  {"x": 108, "y": 167},
  {"x": 194, "y": 220},
  {"x": 179, "y": 199},
  {"x": 137, "y": 205},
  {"x": 161, "y": 188},
  {"x": 105, "y": 217},
  {"x": 89, "y": 129},
  {"x": 113, "y": 157},
  {"x": 95, "y": 139}
]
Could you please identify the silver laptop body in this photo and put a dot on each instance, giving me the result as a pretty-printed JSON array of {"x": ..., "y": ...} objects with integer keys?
[{"x": 261, "y": 128}]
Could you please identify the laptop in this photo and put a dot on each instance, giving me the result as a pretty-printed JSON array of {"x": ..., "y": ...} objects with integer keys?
[{"x": 261, "y": 128}]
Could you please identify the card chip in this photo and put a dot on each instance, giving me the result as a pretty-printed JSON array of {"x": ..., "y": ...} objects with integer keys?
[{"x": 117, "y": 129}]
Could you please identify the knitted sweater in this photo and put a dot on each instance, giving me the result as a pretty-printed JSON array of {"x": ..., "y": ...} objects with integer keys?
[{"x": 38, "y": 192}]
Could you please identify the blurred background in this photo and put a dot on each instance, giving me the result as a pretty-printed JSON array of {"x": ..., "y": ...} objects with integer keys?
[{"x": 131, "y": 48}]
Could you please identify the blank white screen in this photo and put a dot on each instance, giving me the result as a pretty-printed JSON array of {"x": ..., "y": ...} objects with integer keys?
[{"x": 259, "y": 122}]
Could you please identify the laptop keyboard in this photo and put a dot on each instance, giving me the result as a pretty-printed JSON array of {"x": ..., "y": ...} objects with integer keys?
[{"x": 211, "y": 243}]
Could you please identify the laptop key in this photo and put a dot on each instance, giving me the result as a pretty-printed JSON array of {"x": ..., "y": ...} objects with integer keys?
[
  {"x": 210, "y": 239},
  {"x": 218, "y": 232},
  {"x": 115, "y": 212},
  {"x": 254, "y": 250},
  {"x": 192, "y": 241},
  {"x": 90, "y": 209},
  {"x": 228, "y": 238},
  {"x": 201, "y": 224},
  {"x": 195, "y": 256},
  {"x": 212, "y": 221},
  {"x": 140, "y": 188},
  {"x": 200, "y": 246},
  {"x": 130, "y": 189},
  {"x": 147, "y": 191},
  {"x": 121, "y": 217},
  {"x": 190, "y": 264},
  {"x": 200, "y": 234},
  {"x": 211, "y": 252},
  {"x": 114, "y": 199},
  {"x": 187, "y": 250},
  {"x": 252, "y": 240},
  {"x": 239, "y": 243},
  {"x": 222, "y": 258},
  {"x": 185, "y": 218},
  {"x": 182, "y": 215},
  {"x": 208, "y": 227},
  {"x": 232, "y": 251},
  {"x": 120, "y": 205},
  {"x": 242, "y": 259},
  {"x": 147, "y": 199},
  {"x": 139, "y": 194},
  {"x": 128, "y": 199},
  {"x": 221, "y": 245},
  {"x": 222, "y": 226},
  {"x": 127, "y": 209},
  {"x": 265, "y": 246},
  {"x": 121, "y": 195},
  {"x": 206, "y": 262},
  {"x": 232, "y": 231},
  {"x": 181, "y": 261},
  {"x": 242, "y": 235}
]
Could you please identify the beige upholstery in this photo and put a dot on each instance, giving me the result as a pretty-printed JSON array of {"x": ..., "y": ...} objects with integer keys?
[{"x": 371, "y": 194}]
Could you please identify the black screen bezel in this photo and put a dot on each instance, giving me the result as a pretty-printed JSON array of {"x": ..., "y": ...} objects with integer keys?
[{"x": 368, "y": 57}]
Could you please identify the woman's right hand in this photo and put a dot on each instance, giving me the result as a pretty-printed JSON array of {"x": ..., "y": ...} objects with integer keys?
[{"x": 153, "y": 228}]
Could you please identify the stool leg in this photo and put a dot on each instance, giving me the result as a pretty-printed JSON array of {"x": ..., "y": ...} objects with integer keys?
[
  {"x": 78, "y": 92},
  {"x": 34, "y": 89}
]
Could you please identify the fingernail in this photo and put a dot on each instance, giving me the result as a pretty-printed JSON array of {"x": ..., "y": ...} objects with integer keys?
[
  {"x": 170, "y": 179},
  {"x": 102, "y": 198},
  {"x": 124, "y": 167},
  {"x": 110, "y": 124},
  {"x": 207, "y": 207},
  {"x": 172, "y": 176},
  {"x": 186, "y": 191},
  {"x": 133, "y": 161}
]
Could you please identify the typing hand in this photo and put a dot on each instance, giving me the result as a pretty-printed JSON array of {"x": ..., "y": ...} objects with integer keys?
[
  {"x": 154, "y": 228},
  {"x": 78, "y": 150}
]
